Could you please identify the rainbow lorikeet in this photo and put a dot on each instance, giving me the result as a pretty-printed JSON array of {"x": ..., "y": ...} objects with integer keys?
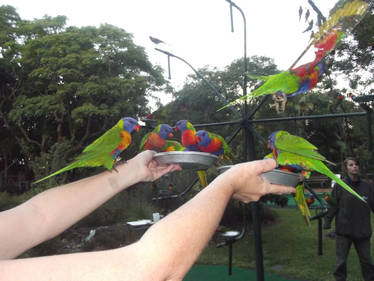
[
  {"x": 286, "y": 83},
  {"x": 156, "y": 139},
  {"x": 299, "y": 154},
  {"x": 188, "y": 132},
  {"x": 324, "y": 41},
  {"x": 213, "y": 143},
  {"x": 188, "y": 141},
  {"x": 330, "y": 200},
  {"x": 105, "y": 150}
]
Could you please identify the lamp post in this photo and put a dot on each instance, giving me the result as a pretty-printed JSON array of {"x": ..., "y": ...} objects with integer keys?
[
  {"x": 219, "y": 95},
  {"x": 249, "y": 151}
]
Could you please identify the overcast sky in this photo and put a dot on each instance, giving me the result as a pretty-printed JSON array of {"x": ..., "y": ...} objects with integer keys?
[{"x": 199, "y": 31}]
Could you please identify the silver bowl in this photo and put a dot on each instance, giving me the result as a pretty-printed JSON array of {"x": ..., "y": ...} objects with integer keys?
[
  {"x": 281, "y": 177},
  {"x": 222, "y": 169},
  {"x": 275, "y": 176},
  {"x": 187, "y": 159}
]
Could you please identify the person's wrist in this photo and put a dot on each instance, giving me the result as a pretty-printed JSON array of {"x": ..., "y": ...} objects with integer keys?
[{"x": 124, "y": 175}]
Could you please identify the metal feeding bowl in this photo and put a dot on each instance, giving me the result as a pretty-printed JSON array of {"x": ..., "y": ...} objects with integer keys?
[
  {"x": 222, "y": 169},
  {"x": 275, "y": 176},
  {"x": 187, "y": 159},
  {"x": 281, "y": 177}
]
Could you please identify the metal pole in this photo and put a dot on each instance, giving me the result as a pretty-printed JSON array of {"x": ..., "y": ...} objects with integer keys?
[
  {"x": 219, "y": 95},
  {"x": 269, "y": 120},
  {"x": 320, "y": 253},
  {"x": 249, "y": 154}
]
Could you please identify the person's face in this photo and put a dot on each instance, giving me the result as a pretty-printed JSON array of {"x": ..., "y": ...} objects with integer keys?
[{"x": 352, "y": 167}]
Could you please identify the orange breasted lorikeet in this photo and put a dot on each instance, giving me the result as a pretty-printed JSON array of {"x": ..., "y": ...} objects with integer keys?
[
  {"x": 105, "y": 149},
  {"x": 188, "y": 140},
  {"x": 156, "y": 139},
  {"x": 212, "y": 143},
  {"x": 187, "y": 135}
]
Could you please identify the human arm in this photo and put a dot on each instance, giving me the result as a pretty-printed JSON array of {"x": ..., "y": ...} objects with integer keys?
[
  {"x": 49, "y": 213},
  {"x": 168, "y": 249}
]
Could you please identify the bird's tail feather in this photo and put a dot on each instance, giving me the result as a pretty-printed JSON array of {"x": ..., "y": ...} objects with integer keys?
[
  {"x": 326, "y": 171},
  {"x": 203, "y": 178},
  {"x": 67, "y": 168},
  {"x": 302, "y": 204}
]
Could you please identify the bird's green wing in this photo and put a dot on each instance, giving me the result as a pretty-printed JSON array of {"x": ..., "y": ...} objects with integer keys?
[
  {"x": 298, "y": 145},
  {"x": 284, "y": 82},
  {"x": 108, "y": 141},
  {"x": 142, "y": 142},
  {"x": 172, "y": 145}
]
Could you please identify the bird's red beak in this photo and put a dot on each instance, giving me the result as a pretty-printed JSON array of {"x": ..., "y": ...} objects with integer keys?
[
  {"x": 176, "y": 129},
  {"x": 268, "y": 145},
  {"x": 198, "y": 139},
  {"x": 170, "y": 135},
  {"x": 137, "y": 128}
]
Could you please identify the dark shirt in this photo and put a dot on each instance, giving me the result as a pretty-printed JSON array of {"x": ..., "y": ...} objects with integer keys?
[{"x": 352, "y": 216}]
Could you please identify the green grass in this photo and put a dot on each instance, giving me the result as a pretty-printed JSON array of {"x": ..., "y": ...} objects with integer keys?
[{"x": 290, "y": 249}]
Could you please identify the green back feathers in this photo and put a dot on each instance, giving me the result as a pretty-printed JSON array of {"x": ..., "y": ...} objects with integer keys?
[
  {"x": 108, "y": 141},
  {"x": 298, "y": 145}
]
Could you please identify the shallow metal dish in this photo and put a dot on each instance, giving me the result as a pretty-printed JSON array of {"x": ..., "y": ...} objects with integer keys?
[
  {"x": 187, "y": 159},
  {"x": 275, "y": 176},
  {"x": 222, "y": 169},
  {"x": 281, "y": 177}
]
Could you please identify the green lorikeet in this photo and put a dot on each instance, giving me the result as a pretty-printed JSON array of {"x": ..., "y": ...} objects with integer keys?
[
  {"x": 299, "y": 154},
  {"x": 188, "y": 140},
  {"x": 156, "y": 139},
  {"x": 105, "y": 149},
  {"x": 305, "y": 77}
]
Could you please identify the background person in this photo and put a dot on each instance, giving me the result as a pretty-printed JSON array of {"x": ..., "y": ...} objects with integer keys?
[{"x": 352, "y": 221}]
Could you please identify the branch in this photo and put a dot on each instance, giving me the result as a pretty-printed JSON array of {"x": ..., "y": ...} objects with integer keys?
[{"x": 23, "y": 131}]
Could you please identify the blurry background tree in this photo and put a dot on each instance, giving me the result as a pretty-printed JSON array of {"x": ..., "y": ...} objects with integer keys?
[{"x": 62, "y": 87}]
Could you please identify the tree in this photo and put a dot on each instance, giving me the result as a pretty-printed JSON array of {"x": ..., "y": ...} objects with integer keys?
[
  {"x": 9, "y": 150},
  {"x": 73, "y": 84}
]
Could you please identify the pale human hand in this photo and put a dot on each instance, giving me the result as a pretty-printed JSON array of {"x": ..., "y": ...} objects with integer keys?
[
  {"x": 150, "y": 170},
  {"x": 247, "y": 183}
]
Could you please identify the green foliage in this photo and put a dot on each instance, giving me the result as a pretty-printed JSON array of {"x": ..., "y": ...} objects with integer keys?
[{"x": 60, "y": 82}]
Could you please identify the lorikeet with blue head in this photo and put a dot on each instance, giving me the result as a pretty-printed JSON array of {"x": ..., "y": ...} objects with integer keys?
[
  {"x": 299, "y": 154},
  {"x": 104, "y": 151},
  {"x": 188, "y": 132},
  {"x": 188, "y": 141},
  {"x": 213, "y": 143},
  {"x": 156, "y": 139}
]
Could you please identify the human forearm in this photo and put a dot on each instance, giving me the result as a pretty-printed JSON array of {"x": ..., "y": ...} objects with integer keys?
[
  {"x": 52, "y": 211},
  {"x": 178, "y": 239},
  {"x": 170, "y": 247}
]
